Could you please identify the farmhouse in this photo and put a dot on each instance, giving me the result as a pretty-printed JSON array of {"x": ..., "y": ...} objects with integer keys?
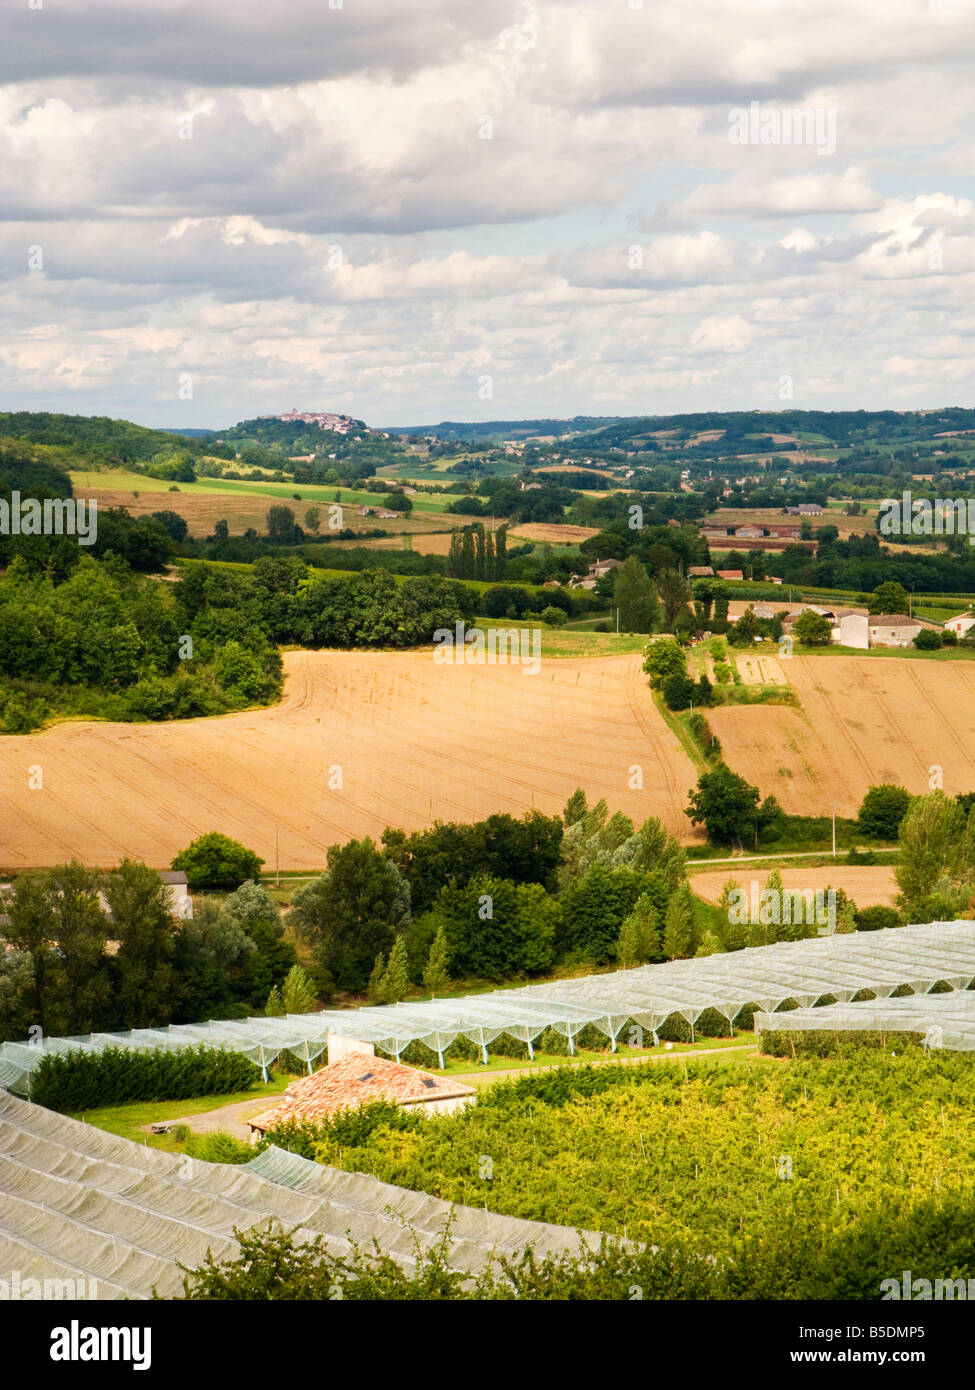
[
  {"x": 179, "y": 892},
  {"x": 893, "y": 630},
  {"x": 602, "y": 567},
  {"x": 850, "y": 626},
  {"x": 961, "y": 625},
  {"x": 731, "y": 574},
  {"x": 700, "y": 572},
  {"x": 356, "y": 1079},
  {"x": 851, "y": 629},
  {"x": 596, "y": 571}
]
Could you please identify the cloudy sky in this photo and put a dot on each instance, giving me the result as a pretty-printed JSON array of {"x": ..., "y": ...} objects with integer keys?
[{"x": 415, "y": 210}]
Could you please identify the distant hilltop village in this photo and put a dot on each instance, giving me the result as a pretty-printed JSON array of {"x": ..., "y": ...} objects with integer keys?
[{"x": 339, "y": 424}]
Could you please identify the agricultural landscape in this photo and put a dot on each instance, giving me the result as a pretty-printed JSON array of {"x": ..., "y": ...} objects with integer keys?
[
  {"x": 487, "y": 680},
  {"x": 293, "y": 774}
]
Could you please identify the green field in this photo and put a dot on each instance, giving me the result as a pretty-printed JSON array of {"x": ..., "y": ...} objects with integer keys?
[{"x": 123, "y": 480}]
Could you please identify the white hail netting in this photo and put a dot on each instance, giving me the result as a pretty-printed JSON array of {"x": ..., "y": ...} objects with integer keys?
[
  {"x": 77, "y": 1203},
  {"x": 766, "y": 976},
  {"x": 944, "y": 1020}
]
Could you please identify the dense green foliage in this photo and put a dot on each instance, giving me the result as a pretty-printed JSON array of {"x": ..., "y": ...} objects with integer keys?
[
  {"x": 273, "y": 1265},
  {"x": 293, "y": 603},
  {"x": 76, "y": 1081},
  {"x": 215, "y": 861},
  {"x": 728, "y": 806},
  {"x": 525, "y": 850},
  {"x": 936, "y": 869},
  {"x": 882, "y": 810},
  {"x": 775, "y": 1170},
  {"x": 105, "y": 642},
  {"x": 60, "y": 973}
]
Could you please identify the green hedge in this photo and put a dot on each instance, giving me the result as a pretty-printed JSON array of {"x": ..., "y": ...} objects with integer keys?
[
  {"x": 820, "y": 1042},
  {"x": 75, "y": 1081}
]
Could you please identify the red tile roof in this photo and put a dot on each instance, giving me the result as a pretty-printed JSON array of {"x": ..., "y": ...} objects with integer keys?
[{"x": 353, "y": 1080}]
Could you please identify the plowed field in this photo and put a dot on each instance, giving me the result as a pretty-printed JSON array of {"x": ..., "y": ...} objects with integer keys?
[
  {"x": 863, "y": 721},
  {"x": 414, "y": 742}
]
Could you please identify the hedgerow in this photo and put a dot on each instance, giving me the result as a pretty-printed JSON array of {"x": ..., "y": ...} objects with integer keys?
[{"x": 77, "y": 1080}]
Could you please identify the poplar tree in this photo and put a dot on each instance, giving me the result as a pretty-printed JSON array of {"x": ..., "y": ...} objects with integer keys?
[
  {"x": 396, "y": 981},
  {"x": 679, "y": 925},
  {"x": 436, "y": 975}
]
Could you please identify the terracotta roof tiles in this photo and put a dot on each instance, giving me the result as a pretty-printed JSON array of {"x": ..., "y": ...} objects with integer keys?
[{"x": 353, "y": 1080}]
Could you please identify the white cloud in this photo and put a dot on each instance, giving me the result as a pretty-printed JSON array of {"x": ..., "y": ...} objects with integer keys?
[
  {"x": 358, "y": 131},
  {"x": 716, "y": 334}
]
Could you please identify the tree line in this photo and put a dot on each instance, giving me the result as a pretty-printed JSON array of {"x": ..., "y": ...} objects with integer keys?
[{"x": 92, "y": 952}]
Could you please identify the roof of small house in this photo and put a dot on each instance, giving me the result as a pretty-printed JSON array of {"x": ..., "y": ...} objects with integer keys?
[
  {"x": 893, "y": 620},
  {"x": 354, "y": 1080}
]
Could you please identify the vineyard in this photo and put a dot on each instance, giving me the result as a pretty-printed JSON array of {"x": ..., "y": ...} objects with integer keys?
[{"x": 714, "y": 1159}]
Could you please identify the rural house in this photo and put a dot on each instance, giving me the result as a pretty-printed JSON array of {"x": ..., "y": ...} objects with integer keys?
[
  {"x": 961, "y": 625},
  {"x": 356, "y": 1079},
  {"x": 602, "y": 567},
  {"x": 179, "y": 892},
  {"x": 893, "y": 630}
]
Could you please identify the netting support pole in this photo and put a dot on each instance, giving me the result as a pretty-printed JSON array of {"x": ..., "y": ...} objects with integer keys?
[
  {"x": 264, "y": 1067},
  {"x": 572, "y": 1046},
  {"x": 531, "y": 1050},
  {"x": 692, "y": 1032},
  {"x": 440, "y": 1058},
  {"x": 484, "y": 1056},
  {"x": 308, "y": 1059}
]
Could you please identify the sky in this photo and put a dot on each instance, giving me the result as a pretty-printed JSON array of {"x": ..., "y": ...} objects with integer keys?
[{"x": 418, "y": 210}]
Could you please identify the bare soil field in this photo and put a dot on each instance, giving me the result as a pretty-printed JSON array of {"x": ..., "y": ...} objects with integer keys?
[
  {"x": 737, "y": 606},
  {"x": 414, "y": 741},
  {"x": 753, "y": 516},
  {"x": 863, "y": 721},
  {"x": 869, "y": 885},
  {"x": 552, "y": 533},
  {"x": 201, "y": 513},
  {"x": 424, "y": 543}
]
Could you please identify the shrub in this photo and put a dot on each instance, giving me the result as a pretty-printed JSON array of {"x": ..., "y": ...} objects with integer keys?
[
  {"x": 553, "y": 616},
  {"x": 215, "y": 861},
  {"x": 678, "y": 691},
  {"x": 877, "y": 918},
  {"x": 840, "y": 1042},
  {"x": 882, "y": 810}
]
